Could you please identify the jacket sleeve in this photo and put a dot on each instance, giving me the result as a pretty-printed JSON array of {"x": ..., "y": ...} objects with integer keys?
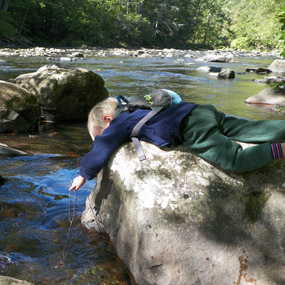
[{"x": 103, "y": 147}]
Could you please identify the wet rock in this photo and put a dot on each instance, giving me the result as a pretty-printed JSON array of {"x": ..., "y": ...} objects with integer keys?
[
  {"x": 226, "y": 74},
  {"x": 7, "y": 150},
  {"x": 12, "y": 281},
  {"x": 19, "y": 109},
  {"x": 259, "y": 70},
  {"x": 277, "y": 66},
  {"x": 64, "y": 94},
  {"x": 209, "y": 69},
  {"x": 218, "y": 72},
  {"x": 267, "y": 96},
  {"x": 175, "y": 219}
]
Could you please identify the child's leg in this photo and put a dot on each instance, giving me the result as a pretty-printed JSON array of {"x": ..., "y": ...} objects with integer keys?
[
  {"x": 251, "y": 131},
  {"x": 202, "y": 134}
]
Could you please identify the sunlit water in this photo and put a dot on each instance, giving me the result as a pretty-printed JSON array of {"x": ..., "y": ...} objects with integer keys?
[{"x": 35, "y": 207}]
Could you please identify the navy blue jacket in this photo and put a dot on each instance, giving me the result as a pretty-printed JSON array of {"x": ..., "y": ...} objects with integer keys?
[{"x": 162, "y": 130}]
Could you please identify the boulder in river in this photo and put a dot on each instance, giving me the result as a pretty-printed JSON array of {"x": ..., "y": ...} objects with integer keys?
[
  {"x": 224, "y": 74},
  {"x": 267, "y": 96},
  {"x": 277, "y": 66},
  {"x": 175, "y": 219},
  {"x": 64, "y": 94},
  {"x": 19, "y": 109}
]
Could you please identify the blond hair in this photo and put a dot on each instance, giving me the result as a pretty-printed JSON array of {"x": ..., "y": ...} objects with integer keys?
[{"x": 96, "y": 116}]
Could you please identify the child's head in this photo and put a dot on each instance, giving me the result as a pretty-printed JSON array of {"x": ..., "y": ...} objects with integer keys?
[{"x": 98, "y": 118}]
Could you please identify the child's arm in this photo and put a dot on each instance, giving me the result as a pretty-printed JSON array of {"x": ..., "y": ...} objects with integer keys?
[{"x": 103, "y": 147}]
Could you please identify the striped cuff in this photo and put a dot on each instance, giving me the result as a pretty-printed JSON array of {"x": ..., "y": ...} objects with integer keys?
[{"x": 276, "y": 151}]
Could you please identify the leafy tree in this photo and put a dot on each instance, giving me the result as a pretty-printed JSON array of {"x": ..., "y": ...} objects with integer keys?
[
  {"x": 281, "y": 17},
  {"x": 149, "y": 23},
  {"x": 254, "y": 24}
]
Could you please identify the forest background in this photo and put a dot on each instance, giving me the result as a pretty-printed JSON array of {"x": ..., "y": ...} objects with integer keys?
[{"x": 181, "y": 24}]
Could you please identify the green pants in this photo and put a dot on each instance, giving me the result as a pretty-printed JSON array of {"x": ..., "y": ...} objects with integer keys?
[{"x": 212, "y": 135}]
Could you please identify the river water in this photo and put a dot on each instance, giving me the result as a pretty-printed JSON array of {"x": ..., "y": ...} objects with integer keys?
[{"x": 41, "y": 239}]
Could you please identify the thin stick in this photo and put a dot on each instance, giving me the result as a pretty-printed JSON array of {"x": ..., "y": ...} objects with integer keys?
[{"x": 71, "y": 219}]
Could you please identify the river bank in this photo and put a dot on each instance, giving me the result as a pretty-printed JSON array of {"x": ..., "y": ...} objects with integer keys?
[{"x": 75, "y": 53}]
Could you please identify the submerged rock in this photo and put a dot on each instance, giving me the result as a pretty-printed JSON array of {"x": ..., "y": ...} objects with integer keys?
[{"x": 175, "y": 219}]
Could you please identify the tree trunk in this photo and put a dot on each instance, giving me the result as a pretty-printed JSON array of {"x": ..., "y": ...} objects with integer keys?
[
  {"x": 208, "y": 23},
  {"x": 6, "y": 5},
  {"x": 207, "y": 29},
  {"x": 24, "y": 20},
  {"x": 101, "y": 16},
  {"x": 141, "y": 13}
]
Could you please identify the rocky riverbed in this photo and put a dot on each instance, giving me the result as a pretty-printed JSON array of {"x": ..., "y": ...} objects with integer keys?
[{"x": 77, "y": 53}]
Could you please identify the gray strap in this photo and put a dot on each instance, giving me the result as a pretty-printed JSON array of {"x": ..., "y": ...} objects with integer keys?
[
  {"x": 138, "y": 149},
  {"x": 136, "y": 130},
  {"x": 139, "y": 125}
]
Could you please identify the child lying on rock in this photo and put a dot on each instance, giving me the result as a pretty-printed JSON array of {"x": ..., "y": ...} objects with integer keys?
[{"x": 208, "y": 133}]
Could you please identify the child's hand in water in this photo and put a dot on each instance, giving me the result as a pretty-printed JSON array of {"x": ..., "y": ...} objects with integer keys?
[{"x": 77, "y": 183}]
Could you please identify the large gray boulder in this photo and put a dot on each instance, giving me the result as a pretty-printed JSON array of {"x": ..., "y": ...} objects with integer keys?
[
  {"x": 19, "y": 110},
  {"x": 267, "y": 96},
  {"x": 175, "y": 219},
  {"x": 278, "y": 66},
  {"x": 64, "y": 94}
]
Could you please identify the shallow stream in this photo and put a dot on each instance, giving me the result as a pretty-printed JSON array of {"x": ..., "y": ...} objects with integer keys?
[{"x": 38, "y": 243}]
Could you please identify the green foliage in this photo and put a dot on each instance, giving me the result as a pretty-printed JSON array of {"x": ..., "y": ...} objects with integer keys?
[
  {"x": 255, "y": 25},
  {"x": 281, "y": 18},
  {"x": 7, "y": 28},
  {"x": 246, "y": 24}
]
